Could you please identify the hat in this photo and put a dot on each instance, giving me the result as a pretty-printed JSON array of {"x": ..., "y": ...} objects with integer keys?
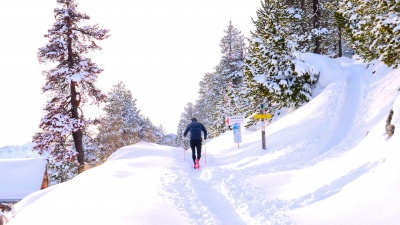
[{"x": 194, "y": 119}]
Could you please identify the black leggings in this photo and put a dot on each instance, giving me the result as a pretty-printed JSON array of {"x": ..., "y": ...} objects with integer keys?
[{"x": 195, "y": 144}]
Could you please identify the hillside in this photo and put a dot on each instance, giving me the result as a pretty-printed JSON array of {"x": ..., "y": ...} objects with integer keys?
[{"x": 328, "y": 162}]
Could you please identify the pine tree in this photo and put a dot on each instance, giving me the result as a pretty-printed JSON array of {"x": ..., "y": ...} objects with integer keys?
[
  {"x": 270, "y": 62},
  {"x": 70, "y": 85},
  {"x": 59, "y": 169},
  {"x": 219, "y": 91},
  {"x": 216, "y": 101},
  {"x": 253, "y": 92},
  {"x": 147, "y": 130},
  {"x": 120, "y": 124},
  {"x": 373, "y": 29},
  {"x": 209, "y": 96},
  {"x": 233, "y": 49},
  {"x": 315, "y": 29},
  {"x": 93, "y": 156}
]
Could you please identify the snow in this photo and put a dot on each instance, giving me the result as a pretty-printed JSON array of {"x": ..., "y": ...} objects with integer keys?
[
  {"x": 328, "y": 162},
  {"x": 23, "y": 176}
]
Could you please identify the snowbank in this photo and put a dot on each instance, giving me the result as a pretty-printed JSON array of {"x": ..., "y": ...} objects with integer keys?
[{"x": 21, "y": 177}]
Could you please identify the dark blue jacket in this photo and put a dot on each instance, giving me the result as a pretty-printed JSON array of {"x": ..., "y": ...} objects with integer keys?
[{"x": 195, "y": 129}]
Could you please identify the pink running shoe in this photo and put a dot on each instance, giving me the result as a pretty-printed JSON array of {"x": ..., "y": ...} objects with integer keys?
[{"x": 196, "y": 164}]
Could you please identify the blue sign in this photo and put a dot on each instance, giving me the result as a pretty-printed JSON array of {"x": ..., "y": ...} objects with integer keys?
[{"x": 237, "y": 133}]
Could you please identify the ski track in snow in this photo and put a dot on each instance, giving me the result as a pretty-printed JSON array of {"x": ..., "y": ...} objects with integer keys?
[{"x": 198, "y": 190}]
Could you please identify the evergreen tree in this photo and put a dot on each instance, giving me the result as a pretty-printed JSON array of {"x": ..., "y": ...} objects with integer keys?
[
  {"x": 148, "y": 132},
  {"x": 161, "y": 136},
  {"x": 315, "y": 28},
  {"x": 202, "y": 112},
  {"x": 216, "y": 101},
  {"x": 205, "y": 106},
  {"x": 70, "y": 85},
  {"x": 270, "y": 62},
  {"x": 59, "y": 169},
  {"x": 219, "y": 91},
  {"x": 93, "y": 156},
  {"x": 120, "y": 125},
  {"x": 253, "y": 91},
  {"x": 233, "y": 49},
  {"x": 373, "y": 29},
  {"x": 123, "y": 124}
]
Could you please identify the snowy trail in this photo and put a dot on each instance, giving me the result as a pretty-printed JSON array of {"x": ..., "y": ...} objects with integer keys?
[
  {"x": 218, "y": 195},
  {"x": 197, "y": 190},
  {"x": 346, "y": 131}
]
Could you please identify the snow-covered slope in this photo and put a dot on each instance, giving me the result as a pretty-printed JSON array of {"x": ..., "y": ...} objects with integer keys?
[{"x": 328, "y": 162}]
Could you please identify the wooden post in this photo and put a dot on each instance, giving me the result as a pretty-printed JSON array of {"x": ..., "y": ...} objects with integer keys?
[{"x": 262, "y": 111}]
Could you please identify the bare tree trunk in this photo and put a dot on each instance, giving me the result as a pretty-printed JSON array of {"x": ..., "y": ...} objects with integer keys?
[{"x": 316, "y": 21}]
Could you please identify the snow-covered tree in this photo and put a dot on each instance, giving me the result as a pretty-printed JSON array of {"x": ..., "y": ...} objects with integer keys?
[
  {"x": 232, "y": 49},
  {"x": 59, "y": 169},
  {"x": 69, "y": 85},
  {"x": 120, "y": 125},
  {"x": 270, "y": 62},
  {"x": 315, "y": 29},
  {"x": 93, "y": 156},
  {"x": 207, "y": 101},
  {"x": 219, "y": 90},
  {"x": 232, "y": 62},
  {"x": 373, "y": 29},
  {"x": 148, "y": 131},
  {"x": 123, "y": 124}
]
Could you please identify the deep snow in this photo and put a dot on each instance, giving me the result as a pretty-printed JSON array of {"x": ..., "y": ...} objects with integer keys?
[
  {"x": 22, "y": 177},
  {"x": 328, "y": 162}
]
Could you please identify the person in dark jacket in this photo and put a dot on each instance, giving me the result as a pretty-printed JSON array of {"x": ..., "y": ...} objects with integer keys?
[{"x": 195, "y": 129}]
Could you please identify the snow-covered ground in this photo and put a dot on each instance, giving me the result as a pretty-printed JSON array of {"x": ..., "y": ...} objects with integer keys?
[{"x": 328, "y": 162}]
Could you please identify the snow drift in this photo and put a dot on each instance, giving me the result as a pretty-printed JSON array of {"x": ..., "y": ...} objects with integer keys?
[{"x": 21, "y": 177}]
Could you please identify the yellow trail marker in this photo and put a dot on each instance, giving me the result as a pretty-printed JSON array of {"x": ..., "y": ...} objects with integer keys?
[{"x": 262, "y": 116}]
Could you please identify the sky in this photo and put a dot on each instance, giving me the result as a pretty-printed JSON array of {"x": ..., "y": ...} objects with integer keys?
[
  {"x": 328, "y": 162},
  {"x": 159, "y": 49}
]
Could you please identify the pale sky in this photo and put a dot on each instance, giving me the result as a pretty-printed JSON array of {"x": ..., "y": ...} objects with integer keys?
[{"x": 160, "y": 49}]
